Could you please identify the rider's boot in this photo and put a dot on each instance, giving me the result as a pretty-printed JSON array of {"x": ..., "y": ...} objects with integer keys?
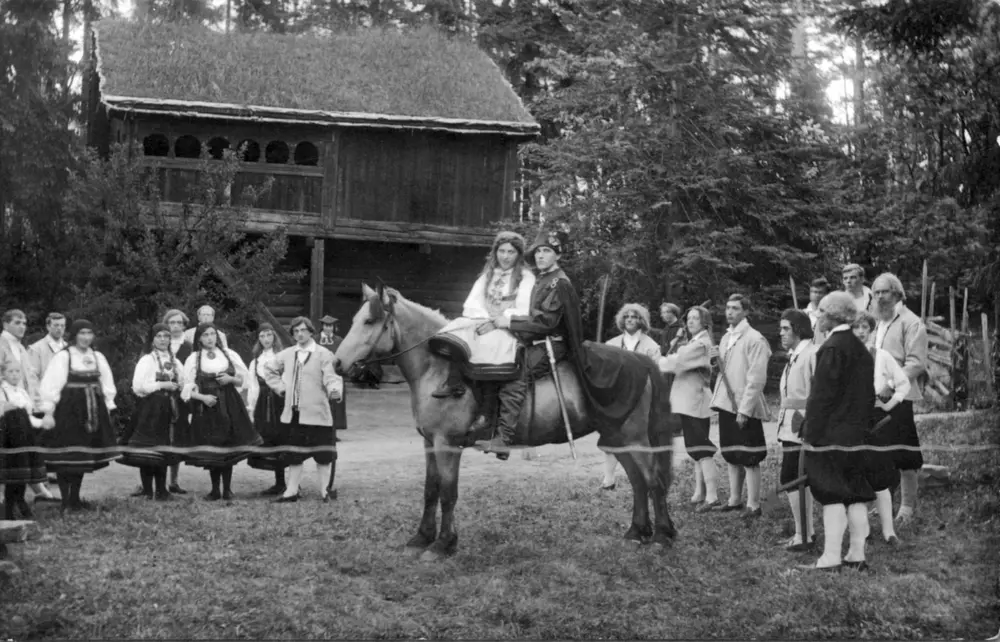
[
  {"x": 452, "y": 386},
  {"x": 511, "y": 397}
]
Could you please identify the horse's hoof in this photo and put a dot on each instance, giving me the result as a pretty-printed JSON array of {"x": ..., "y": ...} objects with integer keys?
[
  {"x": 414, "y": 551},
  {"x": 662, "y": 542},
  {"x": 430, "y": 555}
]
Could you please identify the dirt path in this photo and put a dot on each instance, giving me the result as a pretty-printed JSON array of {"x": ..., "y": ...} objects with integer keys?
[{"x": 382, "y": 442}]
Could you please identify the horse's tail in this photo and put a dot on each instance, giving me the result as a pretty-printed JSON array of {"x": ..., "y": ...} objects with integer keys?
[{"x": 659, "y": 428}]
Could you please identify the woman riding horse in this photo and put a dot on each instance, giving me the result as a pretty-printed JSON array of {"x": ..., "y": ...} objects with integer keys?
[{"x": 503, "y": 288}]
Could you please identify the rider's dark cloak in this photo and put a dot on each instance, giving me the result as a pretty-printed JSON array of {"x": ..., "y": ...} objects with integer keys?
[{"x": 613, "y": 379}]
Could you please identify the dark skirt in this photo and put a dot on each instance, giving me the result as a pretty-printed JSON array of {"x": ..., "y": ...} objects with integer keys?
[
  {"x": 16, "y": 431},
  {"x": 905, "y": 434},
  {"x": 880, "y": 465},
  {"x": 321, "y": 438},
  {"x": 160, "y": 419},
  {"x": 790, "y": 454},
  {"x": 747, "y": 444},
  {"x": 696, "y": 440},
  {"x": 838, "y": 477},
  {"x": 226, "y": 425},
  {"x": 266, "y": 419},
  {"x": 78, "y": 427}
]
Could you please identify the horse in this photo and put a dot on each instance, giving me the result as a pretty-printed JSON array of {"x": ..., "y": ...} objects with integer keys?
[{"x": 389, "y": 326}]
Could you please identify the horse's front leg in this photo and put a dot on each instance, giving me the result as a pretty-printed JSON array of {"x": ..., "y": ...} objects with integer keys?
[
  {"x": 427, "y": 532},
  {"x": 449, "y": 458},
  {"x": 641, "y": 527}
]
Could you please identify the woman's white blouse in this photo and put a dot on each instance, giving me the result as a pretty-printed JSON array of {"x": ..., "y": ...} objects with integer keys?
[
  {"x": 57, "y": 374},
  {"x": 476, "y": 306},
  {"x": 209, "y": 366},
  {"x": 250, "y": 383},
  {"x": 144, "y": 378},
  {"x": 18, "y": 396}
]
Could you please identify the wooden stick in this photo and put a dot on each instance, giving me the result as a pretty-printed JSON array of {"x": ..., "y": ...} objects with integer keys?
[
  {"x": 954, "y": 338},
  {"x": 987, "y": 355},
  {"x": 923, "y": 293},
  {"x": 930, "y": 304},
  {"x": 951, "y": 300},
  {"x": 965, "y": 311},
  {"x": 795, "y": 297}
]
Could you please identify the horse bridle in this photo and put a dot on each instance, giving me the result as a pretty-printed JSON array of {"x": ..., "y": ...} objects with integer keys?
[{"x": 388, "y": 318}]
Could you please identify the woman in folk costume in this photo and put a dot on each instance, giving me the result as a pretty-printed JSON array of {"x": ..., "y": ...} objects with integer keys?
[
  {"x": 265, "y": 406},
  {"x": 633, "y": 323},
  {"x": 892, "y": 385},
  {"x": 18, "y": 429},
  {"x": 212, "y": 378},
  {"x": 691, "y": 401},
  {"x": 177, "y": 321},
  {"x": 160, "y": 417},
  {"x": 78, "y": 393},
  {"x": 503, "y": 288}
]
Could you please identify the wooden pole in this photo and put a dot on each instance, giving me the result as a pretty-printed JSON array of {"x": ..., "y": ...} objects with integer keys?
[
  {"x": 923, "y": 294},
  {"x": 965, "y": 311},
  {"x": 930, "y": 302},
  {"x": 987, "y": 355},
  {"x": 951, "y": 305},
  {"x": 795, "y": 297}
]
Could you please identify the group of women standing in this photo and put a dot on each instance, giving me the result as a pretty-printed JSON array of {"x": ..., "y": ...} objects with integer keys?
[{"x": 188, "y": 410}]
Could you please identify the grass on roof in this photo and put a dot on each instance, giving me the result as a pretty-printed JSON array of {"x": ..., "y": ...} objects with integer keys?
[{"x": 421, "y": 73}]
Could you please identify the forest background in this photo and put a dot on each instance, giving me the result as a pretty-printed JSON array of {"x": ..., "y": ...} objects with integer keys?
[{"x": 691, "y": 147}]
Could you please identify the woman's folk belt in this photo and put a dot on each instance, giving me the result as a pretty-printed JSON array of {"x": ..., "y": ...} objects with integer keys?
[{"x": 90, "y": 388}]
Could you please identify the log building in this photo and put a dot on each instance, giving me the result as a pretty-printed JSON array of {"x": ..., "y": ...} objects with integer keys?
[{"x": 392, "y": 154}]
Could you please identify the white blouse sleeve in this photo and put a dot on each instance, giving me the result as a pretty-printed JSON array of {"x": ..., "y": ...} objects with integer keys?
[
  {"x": 107, "y": 381},
  {"x": 144, "y": 378},
  {"x": 251, "y": 385},
  {"x": 475, "y": 304},
  {"x": 54, "y": 381},
  {"x": 895, "y": 376},
  {"x": 522, "y": 302},
  {"x": 190, "y": 380}
]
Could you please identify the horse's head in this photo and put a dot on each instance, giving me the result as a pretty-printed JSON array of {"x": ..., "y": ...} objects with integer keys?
[{"x": 371, "y": 333}]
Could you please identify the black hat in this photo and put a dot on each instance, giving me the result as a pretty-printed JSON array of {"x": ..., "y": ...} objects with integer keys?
[
  {"x": 553, "y": 239},
  {"x": 75, "y": 327},
  {"x": 328, "y": 320}
]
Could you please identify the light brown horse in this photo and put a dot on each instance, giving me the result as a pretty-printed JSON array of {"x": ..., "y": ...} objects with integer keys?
[{"x": 388, "y": 325}]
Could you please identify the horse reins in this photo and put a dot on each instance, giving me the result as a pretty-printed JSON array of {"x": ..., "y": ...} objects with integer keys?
[{"x": 364, "y": 363}]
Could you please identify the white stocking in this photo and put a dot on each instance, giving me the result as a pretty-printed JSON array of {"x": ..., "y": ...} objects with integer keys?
[
  {"x": 711, "y": 476},
  {"x": 883, "y": 502},
  {"x": 857, "y": 520},
  {"x": 834, "y": 526},
  {"x": 699, "y": 485},
  {"x": 610, "y": 463},
  {"x": 735, "y": 485},
  {"x": 323, "y": 476},
  {"x": 753, "y": 487},
  {"x": 293, "y": 481}
]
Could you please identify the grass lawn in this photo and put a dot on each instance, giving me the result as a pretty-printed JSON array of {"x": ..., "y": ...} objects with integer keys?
[{"x": 540, "y": 557}]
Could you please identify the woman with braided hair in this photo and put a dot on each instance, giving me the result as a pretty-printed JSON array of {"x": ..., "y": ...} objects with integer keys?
[
  {"x": 160, "y": 417},
  {"x": 77, "y": 394},
  {"x": 212, "y": 378}
]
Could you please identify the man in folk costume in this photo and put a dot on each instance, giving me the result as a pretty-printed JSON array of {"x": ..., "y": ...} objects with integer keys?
[
  {"x": 633, "y": 323},
  {"x": 304, "y": 375},
  {"x": 818, "y": 289},
  {"x": 206, "y": 315},
  {"x": 612, "y": 380},
  {"x": 854, "y": 284},
  {"x": 182, "y": 347},
  {"x": 670, "y": 313},
  {"x": 839, "y": 412},
  {"x": 12, "y": 350},
  {"x": 472, "y": 342},
  {"x": 328, "y": 337},
  {"x": 40, "y": 353},
  {"x": 901, "y": 333},
  {"x": 796, "y": 380},
  {"x": 739, "y": 399}
]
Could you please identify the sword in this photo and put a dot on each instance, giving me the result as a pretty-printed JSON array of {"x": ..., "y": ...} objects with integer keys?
[
  {"x": 559, "y": 394},
  {"x": 600, "y": 307}
]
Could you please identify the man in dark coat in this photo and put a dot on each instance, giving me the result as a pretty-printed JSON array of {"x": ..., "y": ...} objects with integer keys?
[
  {"x": 839, "y": 411},
  {"x": 612, "y": 380},
  {"x": 671, "y": 315}
]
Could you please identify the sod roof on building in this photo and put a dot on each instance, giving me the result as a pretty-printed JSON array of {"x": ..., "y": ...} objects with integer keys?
[{"x": 369, "y": 74}]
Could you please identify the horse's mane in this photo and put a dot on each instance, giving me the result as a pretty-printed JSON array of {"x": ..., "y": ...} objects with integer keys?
[{"x": 434, "y": 315}]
